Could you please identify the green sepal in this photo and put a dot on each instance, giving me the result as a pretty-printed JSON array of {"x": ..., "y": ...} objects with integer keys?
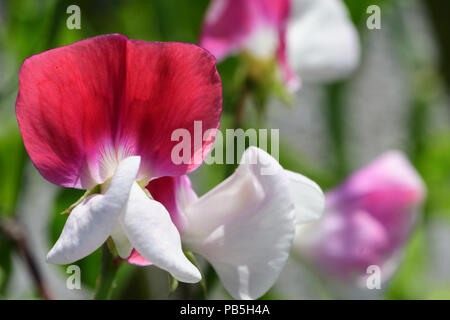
[
  {"x": 192, "y": 259},
  {"x": 89, "y": 192}
]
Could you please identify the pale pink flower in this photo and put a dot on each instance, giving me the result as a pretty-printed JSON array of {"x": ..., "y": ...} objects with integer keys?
[{"x": 367, "y": 221}]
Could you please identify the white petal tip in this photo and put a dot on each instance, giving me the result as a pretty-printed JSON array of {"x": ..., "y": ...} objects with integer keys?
[
  {"x": 192, "y": 275},
  {"x": 54, "y": 258}
]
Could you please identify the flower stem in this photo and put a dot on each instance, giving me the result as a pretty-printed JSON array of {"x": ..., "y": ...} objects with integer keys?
[
  {"x": 105, "y": 280},
  {"x": 210, "y": 280},
  {"x": 336, "y": 127},
  {"x": 240, "y": 107}
]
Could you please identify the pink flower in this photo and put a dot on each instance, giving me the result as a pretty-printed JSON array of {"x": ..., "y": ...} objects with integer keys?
[
  {"x": 244, "y": 226},
  {"x": 313, "y": 39},
  {"x": 366, "y": 222},
  {"x": 98, "y": 115}
]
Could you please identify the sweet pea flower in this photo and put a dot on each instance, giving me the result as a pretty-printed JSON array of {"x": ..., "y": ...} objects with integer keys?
[
  {"x": 367, "y": 221},
  {"x": 311, "y": 39},
  {"x": 98, "y": 115},
  {"x": 244, "y": 226}
]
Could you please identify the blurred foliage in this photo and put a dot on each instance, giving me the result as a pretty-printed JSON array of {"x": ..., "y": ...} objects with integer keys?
[
  {"x": 5, "y": 262},
  {"x": 12, "y": 159},
  {"x": 409, "y": 282},
  {"x": 434, "y": 165}
]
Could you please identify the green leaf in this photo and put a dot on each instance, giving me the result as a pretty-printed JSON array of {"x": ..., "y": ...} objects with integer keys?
[
  {"x": 105, "y": 281},
  {"x": 5, "y": 262},
  {"x": 12, "y": 161}
]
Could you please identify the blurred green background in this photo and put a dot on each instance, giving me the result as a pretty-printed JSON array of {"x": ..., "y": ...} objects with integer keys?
[{"x": 398, "y": 98}]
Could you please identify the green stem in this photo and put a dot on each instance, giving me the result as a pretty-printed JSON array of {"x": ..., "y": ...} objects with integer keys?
[
  {"x": 238, "y": 120},
  {"x": 105, "y": 280},
  {"x": 210, "y": 280},
  {"x": 335, "y": 118},
  {"x": 239, "y": 112}
]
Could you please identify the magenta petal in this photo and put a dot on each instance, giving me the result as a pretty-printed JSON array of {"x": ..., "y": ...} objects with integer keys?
[
  {"x": 230, "y": 23},
  {"x": 84, "y": 107},
  {"x": 67, "y": 107},
  {"x": 227, "y": 24},
  {"x": 169, "y": 86},
  {"x": 290, "y": 78},
  {"x": 137, "y": 259}
]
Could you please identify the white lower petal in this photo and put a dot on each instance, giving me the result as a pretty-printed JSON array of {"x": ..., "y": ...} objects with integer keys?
[
  {"x": 245, "y": 226},
  {"x": 308, "y": 198},
  {"x": 91, "y": 222},
  {"x": 322, "y": 42},
  {"x": 151, "y": 232}
]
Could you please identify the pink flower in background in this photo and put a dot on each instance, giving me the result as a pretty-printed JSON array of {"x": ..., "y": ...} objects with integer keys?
[
  {"x": 366, "y": 222},
  {"x": 244, "y": 226},
  {"x": 311, "y": 39},
  {"x": 98, "y": 115}
]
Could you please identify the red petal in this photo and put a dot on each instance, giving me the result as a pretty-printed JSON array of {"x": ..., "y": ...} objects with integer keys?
[
  {"x": 168, "y": 87},
  {"x": 291, "y": 80},
  {"x": 137, "y": 259},
  {"x": 87, "y": 104},
  {"x": 67, "y": 107}
]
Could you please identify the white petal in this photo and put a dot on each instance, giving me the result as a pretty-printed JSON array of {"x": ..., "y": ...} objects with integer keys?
[
  {"x": 263, "y": 42},
  {"x": 152, "y": 233},
  {"x": 308, "y": 198},
  {"x": 245, "y": 226},
  {"x": 91, "y": 222},
  {"x": 322, "y": 42},
  {"x": 121, "y": 241}
]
